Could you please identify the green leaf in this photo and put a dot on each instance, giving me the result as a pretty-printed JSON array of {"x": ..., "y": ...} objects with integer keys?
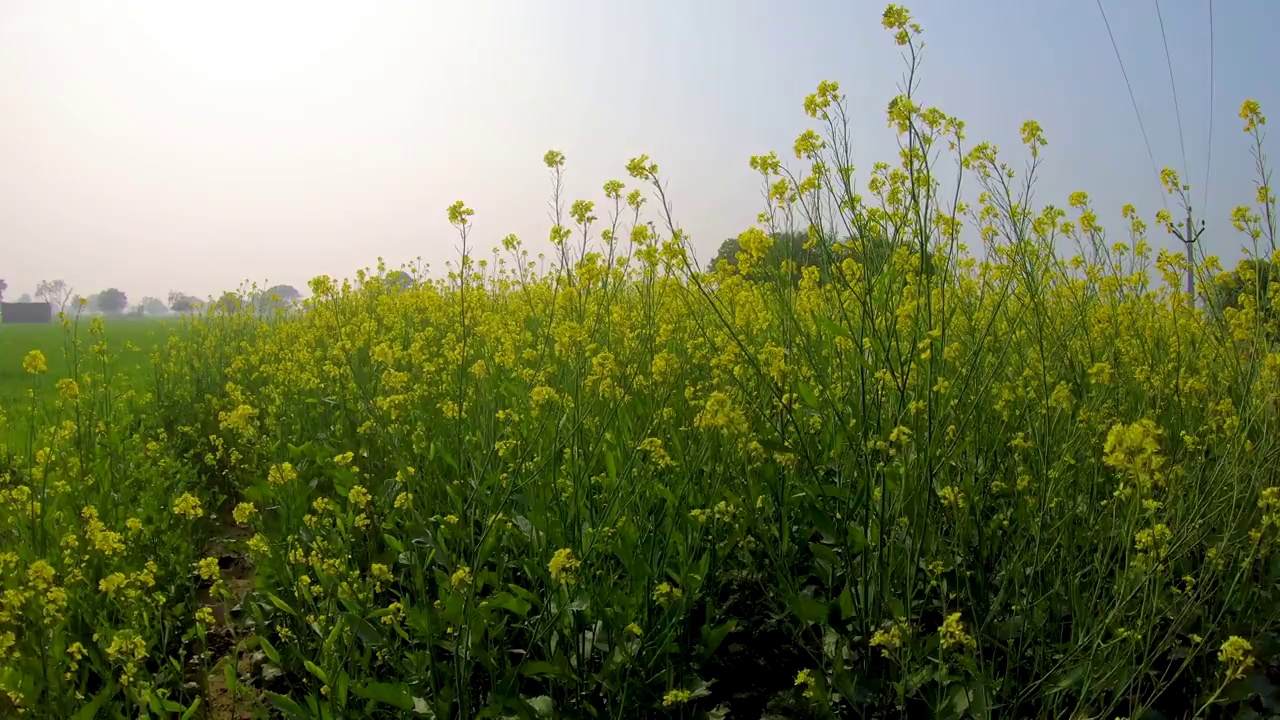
[
  {"x": 315, "y": 670},
  {"x": 538, "y": 668},
  {"x": 808, "y": 609},
  {"x": 542, "y": 706},
  {"x": 845, "y": 602},
  {"x": 1068, "y": 679},
  {"x": 332, "y": 640},
  {"x": 396, "y": 695},
  {"x": 270, "y": 650},
  {"x": 957, "y": 703},
  {"x": 712, "y": 637},
  {"x": 806, "y": 394},
  {"x": 282, "y": 605},
  {"x": 979, "y": 699},
  {"x": 825, "y": 553},
  {"x": 855, "y": 540},
  {"x": 523, "y": 594},
  {"x": 344, "y": 683},
  {"x": 90, "y": 711},
  {"x": 229, "y": 676},
  {"x": 510, "y": 603},
  {"x": 610, "y": 465},
  {"x": 823, "y": 523},
  {"x": 287, "y": 706},
  {"x": 367, "y": 632},
  {"x": 191, "y": 711},
  {"x": 834, "y": 328}
]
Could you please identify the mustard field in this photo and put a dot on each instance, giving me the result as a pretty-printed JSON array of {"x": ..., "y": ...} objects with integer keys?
[{"x": 961, "y": 459}]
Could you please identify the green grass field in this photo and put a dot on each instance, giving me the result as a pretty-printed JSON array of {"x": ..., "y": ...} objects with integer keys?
[{"x": 129, "y": 341}]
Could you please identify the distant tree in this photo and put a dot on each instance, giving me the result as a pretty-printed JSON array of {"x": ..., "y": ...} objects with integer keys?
[
  {"x": 54, "y": 292},
  {"x": 229, "y": 302},
  {"x": 277, "y": 296},
  {"x": 3, "y": 286},
  {"x": 728, "y": 253},
  {"x": 287, "y": 293},
  {"x": 112, "y": 301},
  {"x": 872, "y": 253},
  {"x": 152, "y": 306},
  {"x": 183, "y": 303},
  {"x": 399, "y": 279},
  {"x": 786, "y": 246},
  {"x": 24, "y": 298}
]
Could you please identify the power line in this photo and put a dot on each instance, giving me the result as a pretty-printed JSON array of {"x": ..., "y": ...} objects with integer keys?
[
  {"x": 1134, "y": 100},
  {"x": 1176, "y": 112},
  {"x": 1208, "y": 165}
]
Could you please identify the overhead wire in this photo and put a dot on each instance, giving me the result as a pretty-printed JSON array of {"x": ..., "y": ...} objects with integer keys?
[
  {"x": 1208, "y": 164},
  {"x": 1141, "y": 126},
  {"x": 1177, "y": 112}
]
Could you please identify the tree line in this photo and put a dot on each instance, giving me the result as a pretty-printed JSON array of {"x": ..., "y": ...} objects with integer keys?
[{"x": 114, "y": 301}]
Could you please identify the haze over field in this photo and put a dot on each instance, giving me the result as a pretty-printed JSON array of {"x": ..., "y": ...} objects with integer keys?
[{"x": 154, "y": 146}]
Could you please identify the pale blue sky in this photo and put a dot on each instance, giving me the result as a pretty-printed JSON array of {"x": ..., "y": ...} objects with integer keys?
[{"x": 155, "y": 145}]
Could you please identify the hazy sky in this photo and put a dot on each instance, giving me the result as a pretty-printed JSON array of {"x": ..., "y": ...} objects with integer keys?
[{"x": 168, "y": 144}]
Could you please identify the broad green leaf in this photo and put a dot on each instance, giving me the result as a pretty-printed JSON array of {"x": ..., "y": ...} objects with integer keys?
[
  {"x": 90, "y": 711},
  {"x": 344, "y": 682},
  {"x": 281, "y": 604},
  {"x": 538, "y": 668},
  {"x": 610, "y": 465},
  {"x": 287, "y": 706},
  {"x": 315, "y": 670},
  {"x": 808, "y": 608},
  {"x": 510, "y": 603},
  {"x": 542, "y": 705},
  {"x": 824, "y": 525},
  {"x": 825, "y": 553},
  {"x": 833, "y": 327},
  {"x": 1068, "y": 679},
  {"x": 855, "y": 540},
  {"x": 806, "y": 394},
  {"x": 396, "y": 695},
  {"x": 269, "y": 650},
  {"x": 712, "y": 637}
]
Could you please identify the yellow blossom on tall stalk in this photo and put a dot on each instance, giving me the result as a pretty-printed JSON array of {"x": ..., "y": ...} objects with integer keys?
[
  {"x": 461, "y": 578},
  {"x": 359, "y": 496},
  {"x": 35, "y": 363},
  {"x": 665, "y": 593},
  {"x": 188, "y": 506},
  {"x": 208, "y": 569},
  {"x": 1236, "y": 656},
  {"x": 244, "y": 512},
  {"x": 891, "y": 637},
  {"x": 676, "y": 697},
  {"x": 564, "y": 566},
  {"x": 954, "y": 635},
  {"x": 281, "y": 474}
]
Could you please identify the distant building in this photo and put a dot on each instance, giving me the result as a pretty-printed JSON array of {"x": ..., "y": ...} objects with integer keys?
[{"x": 34, "y": 312}]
